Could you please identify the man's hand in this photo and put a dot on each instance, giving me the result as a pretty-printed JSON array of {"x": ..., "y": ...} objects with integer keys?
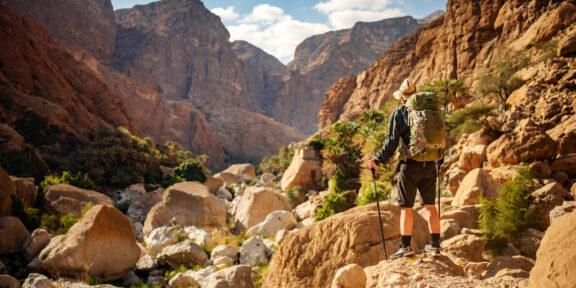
[{"x": 371, "y": 164}]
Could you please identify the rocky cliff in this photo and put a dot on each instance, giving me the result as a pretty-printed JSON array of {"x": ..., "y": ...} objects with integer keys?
[
  {"x": 48, "y": 97},
  {"x": 80, "y": 25},
  {"x": 279, "y": 93},
  {"x": 455, "y": 46},
  {"x": 181, "y": 52}
]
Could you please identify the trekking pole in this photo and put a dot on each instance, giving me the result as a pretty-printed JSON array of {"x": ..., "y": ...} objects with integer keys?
[
  {"x": 379, "y": 217},
  {"x": 438, "y": 186}
]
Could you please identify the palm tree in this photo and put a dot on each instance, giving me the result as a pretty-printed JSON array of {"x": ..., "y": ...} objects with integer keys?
[{"x": 453, "y": 91}]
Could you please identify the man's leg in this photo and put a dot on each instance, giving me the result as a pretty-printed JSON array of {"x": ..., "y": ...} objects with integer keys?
[
  {"x": 406, "y": 221},
  {"x": 406, "y": 195},
  {"x": 433, "y": 219}
]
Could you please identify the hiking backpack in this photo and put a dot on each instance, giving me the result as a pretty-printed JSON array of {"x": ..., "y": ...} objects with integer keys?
[{"x": 427, "y": 129}]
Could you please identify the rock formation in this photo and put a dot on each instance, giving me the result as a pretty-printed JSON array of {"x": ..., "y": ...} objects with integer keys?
[
  {"x": 49, "y": 98},
  {"x": 455, "y": 46}
]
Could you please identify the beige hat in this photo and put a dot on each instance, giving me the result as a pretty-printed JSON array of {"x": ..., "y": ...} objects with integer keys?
[{"x": 405, "y": 91}]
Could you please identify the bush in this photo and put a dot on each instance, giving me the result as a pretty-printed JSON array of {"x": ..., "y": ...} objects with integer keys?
[
  {"x": 191, "y": 171},
  {"x": 29, "y": 216},
  {"x": 277, "y": 164},
  {"x": 503, "y": 219},
  {"x": 335, "y": 203},
  {"x": 367, "y": 195},
  {"x": 51, "y": 223},
  {"x": 79, "y": 180},
  {"x": 468, "y": 120},
  {"x": 293, "y": 196}
]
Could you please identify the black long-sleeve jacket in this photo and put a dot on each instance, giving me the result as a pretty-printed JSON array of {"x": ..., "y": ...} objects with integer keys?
[{"x": 398, "y": 128}]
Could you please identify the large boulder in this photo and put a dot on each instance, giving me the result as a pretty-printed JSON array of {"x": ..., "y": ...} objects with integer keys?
[
  {"x": 140, "y": 208},
  {"x": 190, "y": 204},
  {"x": 7, "y": 281},
  {"x": 545, "y": 200},
  {"x": 305, "y": 170},
  {"x": 274, "y": 222},
  {"x": 13, "y": 235},
  {"x": 102, "y": 244},
  {"x": 237, "y": 174},
  {"x": 472, "y": 157},
  {"x": 463, "y": 216},
  {"x": 25, "y": 190},
  {"x": 556, "y": 257},
  {"x": 62, "y": 199},
  {"x": 350, "y": 276},
  {"x": 477, "y": 183},
  {"x": 566, "y": 164},
  {"x": 504, "y": 173},
  {"x": 7, "y": 189},
  {"x": 465, "y": 246},
  {"x": 530, "y": 143},
  {"x": 239, "y": 276},
  {"x": 254, "y": 252},
  {"x": 160, "y": 238},
  {"x": 310, "y": 257},
  {"x": 35, "y": 243},
  {"x": 509, "y": 267},
  {"x": 455, "y": 177},
  {"x": 565, "y": 135},
  {"x": 256, "y": 203},
  {"x": 225, "y": 251},
  {"x": 185, "y": 253}
]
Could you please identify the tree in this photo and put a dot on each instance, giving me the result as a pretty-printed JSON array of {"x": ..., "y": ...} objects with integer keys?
[
  {"x": 498, "y": 77},
  {"x": 453, "y": 91}
]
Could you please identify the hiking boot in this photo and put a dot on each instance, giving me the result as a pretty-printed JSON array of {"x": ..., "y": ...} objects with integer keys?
[
  {"x": 402, "y": 252},
  {"x": 432, "y": 249}
]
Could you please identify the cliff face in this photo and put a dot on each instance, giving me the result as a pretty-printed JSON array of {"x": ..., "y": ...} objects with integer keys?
[
  {"x": 277, "y": 92},
  {"x": 49, "y": 97},
  {"x": 454, "y": 46},
  {"x": 87, "y": 25},
  {"x": 325, "y": 58},
  {"x": 180, "y": 52}
]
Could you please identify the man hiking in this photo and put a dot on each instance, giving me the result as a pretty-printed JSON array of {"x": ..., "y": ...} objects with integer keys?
[{"x": 415, "y": 170}]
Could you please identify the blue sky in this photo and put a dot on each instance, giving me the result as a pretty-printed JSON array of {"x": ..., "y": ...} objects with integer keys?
[{"x": 278, "y": 26}]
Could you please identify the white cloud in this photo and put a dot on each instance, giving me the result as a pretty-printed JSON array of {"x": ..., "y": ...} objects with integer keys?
[
  {"x": 227, "y": 14},
  {"x": 337, "y": 5},
  {"x": 279, "y": 39},
  {"x": 347, "y": 18},
  {"x": 266, "y": 14}
]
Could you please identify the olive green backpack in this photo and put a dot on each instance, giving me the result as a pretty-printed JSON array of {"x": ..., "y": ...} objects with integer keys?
[{"x": 427, "y": 129}]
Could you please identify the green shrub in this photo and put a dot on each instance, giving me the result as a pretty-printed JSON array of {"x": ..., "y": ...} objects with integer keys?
[
  {"x": 191, "y": 171},
  {"x": 79, "y": 180},
  {"x": 503, "y": 219},
  {"x": 294, "y": 195},
  {"x": 277, "y": 164},
  {"x": 29, "y": 216},
  {"x": 468, "y": 120},
  {"x": 179, "y": 236},
  {"x": 58, "y": 227},
  {"x": 367, "y": 195},
  {"x": 335, "y": 203}
]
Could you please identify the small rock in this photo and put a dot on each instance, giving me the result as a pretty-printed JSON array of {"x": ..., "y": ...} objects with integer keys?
[
  {"x": 253, "y": 252},
  {"x": 225, "y": 251},
  {"x": 185, "y": 253},
  {"x": 350, "y": 276}
]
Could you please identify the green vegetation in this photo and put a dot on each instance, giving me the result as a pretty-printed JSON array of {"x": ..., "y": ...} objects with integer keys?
[
  {"x": 503, "y": 219},
  {"x": 277, "y": 164},
  {"x": 79, "y": 180},
  {"x": 454, "y": 92},
  {"x": 51, "y": 223},
  {"x": 335, "y": 203},
  {"x": 191, "y": 171},
  {"x": 468, "y": 120},
  {"x": 179, "y": 236},
  {"x": 258, "y": 277},
  {"x": 498, "y": 78},
  {"x": 384, "y": 188},
  {"x": 294, "y": 196},
  {"x": 29, "y": 216},
  {"x": 118, "y": 159}
]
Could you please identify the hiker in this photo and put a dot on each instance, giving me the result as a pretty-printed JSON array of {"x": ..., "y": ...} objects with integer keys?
[{"x": 413, "y": 174}]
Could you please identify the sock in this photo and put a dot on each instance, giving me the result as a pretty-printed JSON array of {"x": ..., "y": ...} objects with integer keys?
[
  {"x": 406, "y": 240},
  {"x": 436, "y": 240}
]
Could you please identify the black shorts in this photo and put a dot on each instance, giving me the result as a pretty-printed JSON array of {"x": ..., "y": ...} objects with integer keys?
[{"x": 412, "y": 176}]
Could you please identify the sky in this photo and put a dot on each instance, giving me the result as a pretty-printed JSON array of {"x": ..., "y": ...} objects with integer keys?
[{"x": 278, "y": 26}]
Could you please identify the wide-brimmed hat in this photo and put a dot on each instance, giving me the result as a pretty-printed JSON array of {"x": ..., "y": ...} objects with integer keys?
[{"x": 406, "y": 90}]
